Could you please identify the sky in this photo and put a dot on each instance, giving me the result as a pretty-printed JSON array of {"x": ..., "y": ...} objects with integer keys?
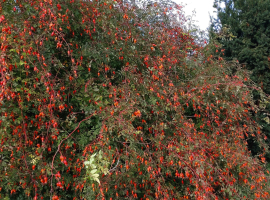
[{"x": 202, "y": 7}]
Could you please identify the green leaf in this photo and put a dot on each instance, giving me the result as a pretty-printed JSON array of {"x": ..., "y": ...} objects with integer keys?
[
  {"x": 93, "y": 171},
  {"x": 21, "y": 63},
  {"x": 87, "y": 163},
  {"x": 97, "y": 180}
]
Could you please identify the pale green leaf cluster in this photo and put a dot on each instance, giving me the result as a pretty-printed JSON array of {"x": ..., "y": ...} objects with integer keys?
[{"x": 96, "y": 165}]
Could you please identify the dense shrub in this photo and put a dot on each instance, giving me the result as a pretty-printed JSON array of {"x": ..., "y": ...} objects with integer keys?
[{"x": 99, "y": 100}]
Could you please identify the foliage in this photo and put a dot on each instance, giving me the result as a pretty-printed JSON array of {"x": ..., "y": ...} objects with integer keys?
[
  {"x": 248, "y": 22},
  {"x": 244, "y": 27},
  {"x": 100, "y": 101}
]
